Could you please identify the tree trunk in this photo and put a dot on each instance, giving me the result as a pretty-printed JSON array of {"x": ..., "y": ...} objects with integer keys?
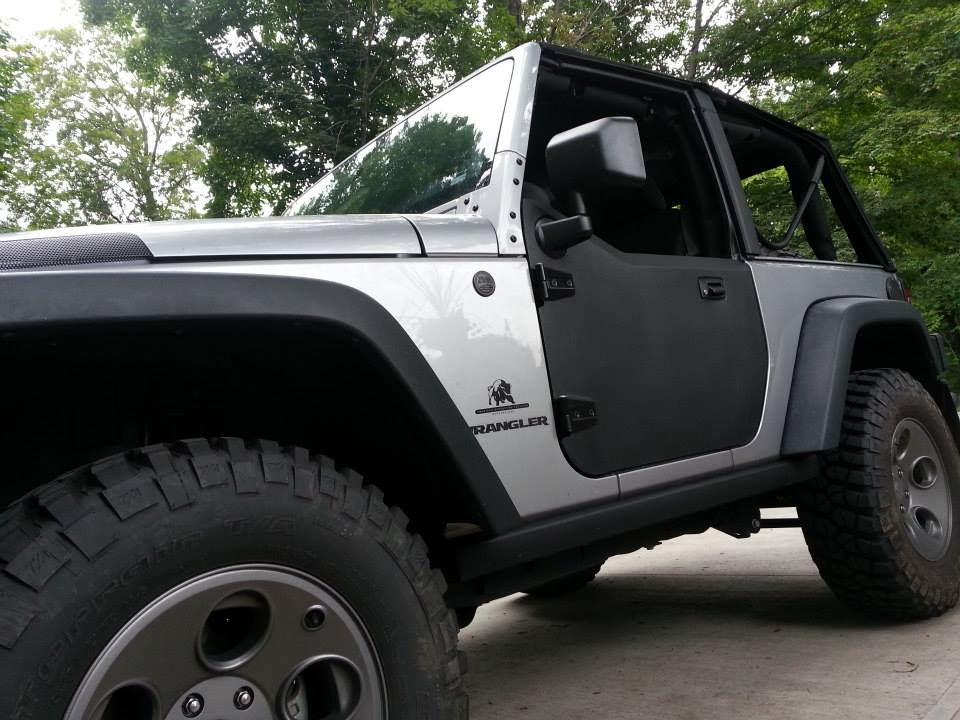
[
  {"x": 515, "y": 8},
  {"x": 692, "y": 66}
]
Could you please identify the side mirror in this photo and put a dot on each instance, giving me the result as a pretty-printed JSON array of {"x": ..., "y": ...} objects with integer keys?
[{"x": 603, "y": 154}]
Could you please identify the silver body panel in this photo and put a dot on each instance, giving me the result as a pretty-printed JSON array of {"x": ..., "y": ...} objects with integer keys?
[
  {"x": 515, "y": 133},
  {"x": 786, "y": 289},
  {"x": 318, "y": 235},
  {"x": 444, "y": 235},
  {"x": 304, "y": 235},
  {"x": 502, "y": 195},
  {"x": 499, "y": 199},
  {"x": 646, "y": 478},
  {"x": 469, "y": 341}
]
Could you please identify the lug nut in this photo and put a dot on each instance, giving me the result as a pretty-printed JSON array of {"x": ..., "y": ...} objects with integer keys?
[
  {"x": 192, "y": 706},
  {"x": 903, "y": 509},
  {"x": 314, "y": 618},
  {"x": 243, "y": 699}
]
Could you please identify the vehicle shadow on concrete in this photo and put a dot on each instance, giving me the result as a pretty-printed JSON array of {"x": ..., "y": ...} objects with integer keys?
[
  {"x": 691, "y": 597},
  {"x": 694, "y": 633}
]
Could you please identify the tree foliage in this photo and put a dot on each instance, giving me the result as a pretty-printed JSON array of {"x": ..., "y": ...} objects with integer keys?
[
  {"x": 284, "y": 88},
  {"x": 102, "y": 145},
  {"x": 14, "y": 105},
  {"x": 882, "y": 80},
  {"x": 665, "y": 35}
]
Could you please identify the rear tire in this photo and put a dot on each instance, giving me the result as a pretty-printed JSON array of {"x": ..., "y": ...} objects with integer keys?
[
  {"x": 565, "y": 585},
  {"x": 881, "y": 520},
  {"x": 83, "y": 557}
]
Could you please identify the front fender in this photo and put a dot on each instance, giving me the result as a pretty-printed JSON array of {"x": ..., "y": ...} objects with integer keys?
[{"x": 53, "y": 299}]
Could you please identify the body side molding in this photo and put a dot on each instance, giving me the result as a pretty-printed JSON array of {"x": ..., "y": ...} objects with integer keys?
[{"x": 60, "y": 299}]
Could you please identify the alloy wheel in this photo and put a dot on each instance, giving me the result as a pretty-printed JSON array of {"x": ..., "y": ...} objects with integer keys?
[
  {"x": 252, "y": 642},
  {"x": 922, "y": 489}
]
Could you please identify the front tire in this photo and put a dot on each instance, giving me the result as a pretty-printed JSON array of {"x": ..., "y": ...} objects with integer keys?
[
  {"x": 881, "y": 520},
  {"x": 258, "y": 575}
]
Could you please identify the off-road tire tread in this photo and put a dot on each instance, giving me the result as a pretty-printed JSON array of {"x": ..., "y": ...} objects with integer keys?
[
  {"x": 70, "y": 521},
  {"x": 846, "y": 514}
]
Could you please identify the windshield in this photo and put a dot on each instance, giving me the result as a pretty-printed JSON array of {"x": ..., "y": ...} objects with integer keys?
[{"x": 433, "y": 156}]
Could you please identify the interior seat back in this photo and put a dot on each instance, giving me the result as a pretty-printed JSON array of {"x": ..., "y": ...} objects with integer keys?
[{"x": 633, "y": 222}]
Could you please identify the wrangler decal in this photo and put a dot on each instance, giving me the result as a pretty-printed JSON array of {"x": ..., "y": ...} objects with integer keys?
[
  {"x": 499, "y": 393},
  {"x": 509, "y": 425}
]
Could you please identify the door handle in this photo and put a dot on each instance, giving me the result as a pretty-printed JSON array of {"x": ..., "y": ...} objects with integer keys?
[{"x": 711, "y": 288}]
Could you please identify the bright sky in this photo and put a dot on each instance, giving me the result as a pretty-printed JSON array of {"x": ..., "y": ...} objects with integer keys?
[{"x": 24, "y": 18}]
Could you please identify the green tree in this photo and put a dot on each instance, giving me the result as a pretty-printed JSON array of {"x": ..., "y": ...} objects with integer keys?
[
  {"x": 102, "y": 145},
  {"x": 285, "y": 88},
  {"x": 882, "y": 80},
  {"x": 665, "y": 35},
  {"x": 904, "y": 151},
  {"x": 14, "y": 105}
]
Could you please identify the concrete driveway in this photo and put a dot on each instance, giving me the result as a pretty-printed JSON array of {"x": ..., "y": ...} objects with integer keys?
[{"x": 708, "y": 627}]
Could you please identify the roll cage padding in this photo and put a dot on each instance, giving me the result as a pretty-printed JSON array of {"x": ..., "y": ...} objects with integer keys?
[
  {"x": 825, "y": 359},
  {"x": 51, "y": 299}
]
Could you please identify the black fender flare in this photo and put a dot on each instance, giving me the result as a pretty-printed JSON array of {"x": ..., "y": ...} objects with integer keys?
[
  {"x": 826, "y": 356},
  {"x": 51, "y": 299}
]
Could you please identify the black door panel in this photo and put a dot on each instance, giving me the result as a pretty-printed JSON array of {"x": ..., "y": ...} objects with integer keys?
[{"x": 670, "y": 348}]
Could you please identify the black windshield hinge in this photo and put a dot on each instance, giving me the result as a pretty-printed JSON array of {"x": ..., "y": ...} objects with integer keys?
[
  {"x": 549, "y": 284},
  {"x": 573, "y": 414}
]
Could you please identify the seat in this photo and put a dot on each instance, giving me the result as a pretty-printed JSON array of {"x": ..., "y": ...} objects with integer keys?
[
  {"x": 638, "y": 222},
  {"x": 641, "y": 222}
]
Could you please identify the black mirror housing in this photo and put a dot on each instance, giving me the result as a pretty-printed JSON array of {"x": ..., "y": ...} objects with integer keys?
[
  {"x": 605, "y": 153},
  {"x": 602, "y": 154}
]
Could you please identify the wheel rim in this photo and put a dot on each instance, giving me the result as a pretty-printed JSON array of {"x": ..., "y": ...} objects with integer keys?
[
  {"x": 922, "y": 489},
  {"x": 252, "y": 642}
]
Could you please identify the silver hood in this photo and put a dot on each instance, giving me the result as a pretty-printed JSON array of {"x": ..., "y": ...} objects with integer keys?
[{"x": 303, "y": 236}]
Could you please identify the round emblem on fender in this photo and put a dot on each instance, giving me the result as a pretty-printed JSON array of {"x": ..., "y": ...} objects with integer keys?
[{"x": 484, "y": 283}]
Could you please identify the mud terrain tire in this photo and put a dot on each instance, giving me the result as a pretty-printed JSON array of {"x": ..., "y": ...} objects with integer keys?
[
  {"x": 881, "y": 520},
  {"x": 83, "y": 555}
]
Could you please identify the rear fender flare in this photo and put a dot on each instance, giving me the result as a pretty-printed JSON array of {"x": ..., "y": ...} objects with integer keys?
[{"x": 825, "y": 358}]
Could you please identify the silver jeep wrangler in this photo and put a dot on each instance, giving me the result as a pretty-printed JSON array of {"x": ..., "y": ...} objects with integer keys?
[{"x": 568, "y": 308}]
